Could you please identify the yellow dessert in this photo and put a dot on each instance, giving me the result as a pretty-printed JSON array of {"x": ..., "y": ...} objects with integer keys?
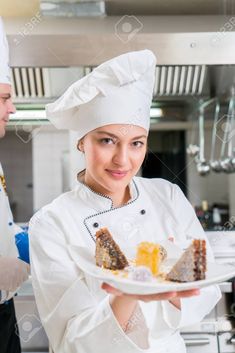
[{"x": 149, "y": 255}]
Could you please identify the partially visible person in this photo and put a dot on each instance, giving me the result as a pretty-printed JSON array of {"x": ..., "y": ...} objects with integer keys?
[{"x": 14, "y": 269}]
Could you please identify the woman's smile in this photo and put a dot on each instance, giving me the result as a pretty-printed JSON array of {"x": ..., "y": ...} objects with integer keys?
[{"x": 117, "y": 174}]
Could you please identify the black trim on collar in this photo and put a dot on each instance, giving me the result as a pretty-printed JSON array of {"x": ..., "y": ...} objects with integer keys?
[{"x": 109, "y": 210}]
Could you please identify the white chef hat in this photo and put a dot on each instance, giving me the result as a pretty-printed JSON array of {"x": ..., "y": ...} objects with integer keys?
[
  {"x": 118, "y": 91},
  {"x": 4, "y": 56}
]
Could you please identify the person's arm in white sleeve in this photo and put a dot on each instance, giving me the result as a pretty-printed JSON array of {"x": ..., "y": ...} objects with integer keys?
[
  {"x": 194, "y": 309},
  {"x": 13, "y": 272},
  {"x": 74, "y": 320}
]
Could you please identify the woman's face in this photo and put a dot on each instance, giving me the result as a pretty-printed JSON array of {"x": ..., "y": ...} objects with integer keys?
[
  {"x": 114, "y": 154},
  {"x": 6, "y": 107}
]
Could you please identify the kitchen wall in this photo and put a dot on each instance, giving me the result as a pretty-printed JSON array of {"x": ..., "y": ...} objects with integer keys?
[
  {"x": 50, "y": 162},
  {"x": 214, "y": 187},
  {"x": 16, "y": 159},
  {"x": 50, "y": 149}
]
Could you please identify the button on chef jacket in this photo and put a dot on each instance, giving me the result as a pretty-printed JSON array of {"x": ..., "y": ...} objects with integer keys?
[{"x": 74, "y": 310}]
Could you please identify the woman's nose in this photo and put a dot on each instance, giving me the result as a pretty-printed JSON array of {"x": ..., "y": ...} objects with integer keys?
[
  {"x": 121, "y": 156},
  {"x": 11, "y": 108}
]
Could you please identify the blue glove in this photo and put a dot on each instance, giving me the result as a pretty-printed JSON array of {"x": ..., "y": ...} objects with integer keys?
[{"x": 22, "y": 243}]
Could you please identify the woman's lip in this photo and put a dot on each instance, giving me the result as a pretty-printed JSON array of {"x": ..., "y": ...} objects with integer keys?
[{"x": 116, "y": 173}]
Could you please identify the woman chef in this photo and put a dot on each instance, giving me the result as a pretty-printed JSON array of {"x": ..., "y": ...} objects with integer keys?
[
  {"x": 110, "y": 109},
  {"x": 13, "y": 271}
]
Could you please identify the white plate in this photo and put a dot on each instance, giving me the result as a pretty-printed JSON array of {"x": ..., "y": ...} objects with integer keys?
[{"x": 86, "y": 261}]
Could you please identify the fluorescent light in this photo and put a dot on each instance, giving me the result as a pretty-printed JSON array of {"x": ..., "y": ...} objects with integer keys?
[
  {"x": 28, "y": 115},
  {"x": 74, "y": 8},
  {"x": 41, "y": 114},
  {"x": 48, "y": 6},
  {"x": 156, "y": 113}
]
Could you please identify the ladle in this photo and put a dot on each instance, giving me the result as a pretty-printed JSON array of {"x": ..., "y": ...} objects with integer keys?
[
  {"x": 215, "y": 164},
  {"x": 226, "y": 161},
  {"x": 203, "y": 167}
]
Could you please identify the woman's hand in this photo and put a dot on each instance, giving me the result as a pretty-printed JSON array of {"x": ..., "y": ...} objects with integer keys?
[{"x": 171, "y": 296}]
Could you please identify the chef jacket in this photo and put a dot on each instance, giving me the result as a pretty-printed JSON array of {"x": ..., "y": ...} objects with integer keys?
[
  {"x": 9, "y": 231},
  {"x": 74, "y": 310}
]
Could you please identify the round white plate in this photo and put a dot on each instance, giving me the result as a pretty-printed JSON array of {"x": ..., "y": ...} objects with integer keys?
[{"x": 86, "y": 262}]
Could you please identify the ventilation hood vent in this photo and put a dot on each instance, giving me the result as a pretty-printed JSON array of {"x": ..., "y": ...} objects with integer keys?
[
  {"x": 58, "y": 8},
  {"x": 180, "y": 80},
  {"x": 45, "y": 84}
]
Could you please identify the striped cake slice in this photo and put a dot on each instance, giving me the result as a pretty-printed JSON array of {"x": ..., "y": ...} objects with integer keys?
[
  {"x": 192, "y": 264},
  {"x": 108, "y": 254}
]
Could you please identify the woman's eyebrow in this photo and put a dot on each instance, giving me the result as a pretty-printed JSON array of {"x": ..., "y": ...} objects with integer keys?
[
  {"x": 5, "y": 95},
  {"x": 139, "y": 137},
  {"x": 115, "y": 136}
]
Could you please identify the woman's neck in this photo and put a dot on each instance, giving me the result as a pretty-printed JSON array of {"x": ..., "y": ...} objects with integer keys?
[
  {"x": 120, "y": 198},
  {"x": 120, "y": 201}
]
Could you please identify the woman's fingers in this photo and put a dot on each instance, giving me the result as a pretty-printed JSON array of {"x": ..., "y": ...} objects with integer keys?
[
  {"x": 168, "y": 295},
  {"x": 188, "y": 293},
  {"x": 110, "y": 289},
  {"x": 155, "y": 297},
  {"x": 151, "y": 297}
]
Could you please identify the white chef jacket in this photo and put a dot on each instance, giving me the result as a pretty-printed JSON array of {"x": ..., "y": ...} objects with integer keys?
[
  {"x": 74, "y": 310},
  {"x": 8, "y": 229}
]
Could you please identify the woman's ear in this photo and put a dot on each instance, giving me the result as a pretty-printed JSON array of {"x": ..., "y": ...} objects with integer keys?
[{"x": 80, "y": 146}]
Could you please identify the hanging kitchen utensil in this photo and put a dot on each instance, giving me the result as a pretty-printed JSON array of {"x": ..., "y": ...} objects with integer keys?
[
  {"x": 203, "y": 167},
  {"x": 193, "y": 149},
  {"x": 215, "y": 164},
  {"x": 226, "y": 161},
  {"x": 233, "y": 160},
  {"x": 232, "y": 134}
]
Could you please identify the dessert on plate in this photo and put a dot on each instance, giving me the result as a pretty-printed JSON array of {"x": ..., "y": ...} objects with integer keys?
[
  {"x": 190, "y": 267},
  {"x": 108, "y": 254},
  {"x": 150, "y": 255},
  {"x": 192, "y": 264}
]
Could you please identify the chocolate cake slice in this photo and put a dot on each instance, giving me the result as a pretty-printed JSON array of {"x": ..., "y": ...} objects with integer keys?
[
  {"x": 108, "y": 254},
  {"x": 192, "y": 264}
]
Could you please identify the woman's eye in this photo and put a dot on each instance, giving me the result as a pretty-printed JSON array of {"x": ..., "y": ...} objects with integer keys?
[
  {"x": 138, "y": 144},
  {"x": 106, "y": 141}
]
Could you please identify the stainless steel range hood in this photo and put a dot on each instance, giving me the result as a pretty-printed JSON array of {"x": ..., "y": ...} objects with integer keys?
[
  {"x": 193, "y": 53},
  {"x": 176, "y": 40},
  {"x": 45, "y": 84}
]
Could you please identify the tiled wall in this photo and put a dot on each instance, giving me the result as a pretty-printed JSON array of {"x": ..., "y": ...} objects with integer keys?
[
  {"x": 16, "y": 159},
  {"x": 50, "y": 149}
]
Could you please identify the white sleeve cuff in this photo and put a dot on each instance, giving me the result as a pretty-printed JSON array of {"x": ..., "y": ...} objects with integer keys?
[
  {"x": 4, "y": 296},
  {"x": 98, "y": 331},
  {"x": 193, "y": 309},
  {"x": 171, "y": 314}
]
